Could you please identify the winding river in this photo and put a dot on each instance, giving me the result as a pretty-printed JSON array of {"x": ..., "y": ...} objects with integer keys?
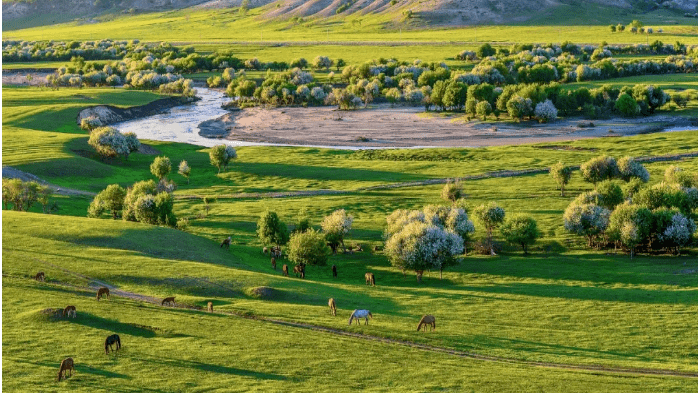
[{"x": 180, "y": 124}]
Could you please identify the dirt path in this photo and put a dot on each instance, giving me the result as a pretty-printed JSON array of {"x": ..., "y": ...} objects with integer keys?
[
  {"x": 425, "y": 347},
  {"x": 420, "y": 183},
  {"x": 12, "y": 173}
]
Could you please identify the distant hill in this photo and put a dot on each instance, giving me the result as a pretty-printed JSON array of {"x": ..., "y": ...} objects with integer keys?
[{"x": 426, "y": 13}]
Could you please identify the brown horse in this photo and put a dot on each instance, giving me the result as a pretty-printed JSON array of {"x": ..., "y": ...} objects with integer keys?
[
  {"x": 273, "y": 262},
  {"x": 370, "y": 279},
  {"x": 104, "y": 291},
  {"x": 66, "y": 366},
  {"x": 169, "y": 300},
  {"x": 40, "y": 276},
  {"x": 333, "y": 307},
  {"x": 70, "y": 310},
  {"x": 226, "y": 243},
  {"x": 284, "y": 269},
  {"x": 334, "y": 271},
  {"x": 299, "y": 270},
  {"x": 111, "y": 340},
  {"x": 265, "y": 250},
  {"x": 210, "y": 306},
  {"x": 427, "y": 320}
]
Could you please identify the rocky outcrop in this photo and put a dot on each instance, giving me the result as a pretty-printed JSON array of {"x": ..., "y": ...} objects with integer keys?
[
  {"x": 111, "y": 114},
  {"x": 217, "y": 128}
]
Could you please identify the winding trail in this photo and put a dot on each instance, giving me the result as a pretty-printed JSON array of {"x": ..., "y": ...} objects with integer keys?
[{"x": 389, "y": 341}]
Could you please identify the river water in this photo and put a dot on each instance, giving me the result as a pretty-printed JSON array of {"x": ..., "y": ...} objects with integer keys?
[{"x": 180, "y": 124}]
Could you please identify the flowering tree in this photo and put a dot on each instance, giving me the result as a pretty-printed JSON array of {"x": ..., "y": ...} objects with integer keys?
[
  {"x": 518, "y": 107},
  {"x": 322, "y": 62},
  {"x": 109, "y": 142},
  {"x": 336, "y": 226},
  {"x": 599, "y": 169},
  {"x": 161, "y": 167},
  {"x": 629, "y": 169},
  {"x": 588, "y": 220},
  {"x": 90, "y": 123},
  {"x": 458, "y": 222},
  {"x": 679, "y": 232},
  {"x": 184, "y": 170},
  {"x": 546, "y": 111},
  {"x": 420, "y": 246}
]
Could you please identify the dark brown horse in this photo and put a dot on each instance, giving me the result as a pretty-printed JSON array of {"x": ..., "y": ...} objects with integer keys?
[
  {"x": 40, "y": 276},
  {"x": 226, "y": 242},
  {"x": 273, "y": 262},
  {"x": 111, "y": 340},
  {"x": 70, "y": 310},
  {"x": 169, "y": 300},
  {"x": 299, "y": 270},
  {"x": 334, "y": 271},
  {"x": 104, "y": 291},
  {"x": 370, "y": 279}
]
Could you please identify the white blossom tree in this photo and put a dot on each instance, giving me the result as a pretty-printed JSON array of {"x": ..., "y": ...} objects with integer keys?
[{"x": 336, "y": 226}]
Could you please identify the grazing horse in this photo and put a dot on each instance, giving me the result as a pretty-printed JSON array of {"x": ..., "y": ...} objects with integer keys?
[
  {"x": 226, "y": 243},
  {"x": 273, "y": 262},
  {"x": 70, "y": 310},
  {"x": 40, "y": 276},
  {"x": 104, "y": 291},
  {"x": 370, "y": 279},
  {"x": 358, "y": 314},
  {"x": 427, "y": 320},
  {"x": 334, "y": 271},
  {"x": 299, "y": 269},
  {"x": 111, "y": 340},
  {"x": 284, "y": 270},
  {"x": 377, "y": 248},
  {"x": 66, "y": 365},
  {"x": 169, "y": 300},
  {"x": 333, "y": 307},
  {"x": 210, "y": 306},
  {"x": 265, "y": 250}
]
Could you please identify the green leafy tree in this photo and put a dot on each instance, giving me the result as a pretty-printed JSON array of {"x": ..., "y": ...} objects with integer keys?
[
  {"x": 336, "y": 226},
  {"x": 161, "y": 167},
  {"x": 271, "y": 230},
  {"x": 627, "y": 105},
  {"x": 599, "y": 168},
  {"x": 485, "y": 50},
  {"x": 111, "y": 199},
  {"x": 483, "y": 109},
  {"x": 184, "y": 169},
  {"x": 221, "y": 155},
  {"x": 611, "y": 194},
  {"x": 138, "y": 189},
  {"x": 452, "y": 192},
  {"x": 491, "y": 216},
  {"x": 561, "y": 174},
  {"x": 521, "y": 230},
  {"x": 309, "y": 248}
]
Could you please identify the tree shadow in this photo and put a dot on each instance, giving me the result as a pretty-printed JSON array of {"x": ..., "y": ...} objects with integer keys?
[
  {"x": 111, "y": 325},
  {"x": 214, "y": 368},
  {"x": 321, "y": 173}
]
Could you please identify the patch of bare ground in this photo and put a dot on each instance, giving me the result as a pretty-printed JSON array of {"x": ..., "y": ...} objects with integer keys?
[{"x": 385, "y": 126}]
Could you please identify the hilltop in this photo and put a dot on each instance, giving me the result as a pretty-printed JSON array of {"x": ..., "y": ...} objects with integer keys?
[{"x": 20, "y": 14}]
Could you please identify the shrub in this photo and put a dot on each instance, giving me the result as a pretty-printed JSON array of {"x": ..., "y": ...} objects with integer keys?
[
  {"x": 109, "y": 142},
  {"x": 111, "y": 199},
  {"x": 679, "y": 232},
  {"x": 309, "y": 248},
  {"x": 132, "y": 194},
  {"x": 483, "y": 109},
  {"x": 322, "y": 62},
  {"x": 630, "y": 224},
  {"x": 546, "y": 111},
  {"x": 599, "y": 169},
  {"x": 521, "y": 230},
  {"x": 271, "y": 230},
  {"x": 518, "y": 107},
  {"x": 629, "y": 169},
  {"x": 588, "y": 220},
  {"x": 627, "y": 106},
  {"x": 485, "y": 50},
  {"x": 452, "y": 192},
  {"x": 184, "y": 170},
  {"x": 90, "y": 123},
  {"x": 561, "y": 174}
]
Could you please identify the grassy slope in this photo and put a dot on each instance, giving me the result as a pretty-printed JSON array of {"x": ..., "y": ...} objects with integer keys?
[{"x": 228, "y": 25}]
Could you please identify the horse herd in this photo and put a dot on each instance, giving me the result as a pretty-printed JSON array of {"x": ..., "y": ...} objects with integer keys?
[{"x": 67, "y": 365}]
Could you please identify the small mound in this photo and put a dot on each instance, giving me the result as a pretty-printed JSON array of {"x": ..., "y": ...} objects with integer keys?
[
  {"x": 46, "y": 315},
  {"x": 264, "y": 292},
  {"x": 149, "y": 150}
]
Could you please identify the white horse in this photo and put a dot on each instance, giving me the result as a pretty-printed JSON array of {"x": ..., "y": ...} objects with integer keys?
[{"x": 358, "y": 314}]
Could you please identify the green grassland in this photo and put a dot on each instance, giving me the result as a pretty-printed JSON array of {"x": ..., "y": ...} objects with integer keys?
[
  {"x": 562, "y": 304},
  {"x": 229, "y": 25}
]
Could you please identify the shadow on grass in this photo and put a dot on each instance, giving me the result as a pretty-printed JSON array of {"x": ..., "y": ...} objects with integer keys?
[
  {"x": 323, "y": 173},
  {"x": 100, "y": 372},
  {"x": 213, "y": 368},
  {"x": 112, "y": 326}
]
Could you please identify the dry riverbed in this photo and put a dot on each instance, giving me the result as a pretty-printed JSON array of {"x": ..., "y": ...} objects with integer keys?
[{"x": 386, "y": 126}]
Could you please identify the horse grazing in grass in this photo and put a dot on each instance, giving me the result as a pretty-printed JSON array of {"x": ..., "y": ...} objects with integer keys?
[
  {"x": 358, "y": 314},
  {"x": 104, "y": 291},
  {"x": 334, "y": 271},
  {"x": 273, "y": 262},
  {"x": 70, "y": 310},
  {"x": 333, "y": 307},
  {"x": 111, "y": 340},
  {"x": 427, "y": 320},
  {"x": 284, "y": 269},
  {"x": 169, "y": 300},
  {"x": 210, "y": 306},
  {"x": 66, "y": 366},
  {"x": 299, "y": 270},
  {"x": 40, "y": 276},
  {"x": 265, "y": 250},
  {"x": 370, "y": 279},
  {"x": 226, "y": 243}
]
